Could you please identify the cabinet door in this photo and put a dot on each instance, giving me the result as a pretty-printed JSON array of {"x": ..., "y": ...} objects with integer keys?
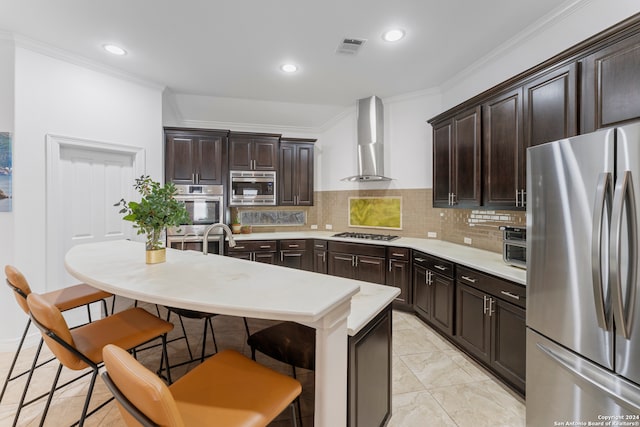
[
  {"x": 179, "y": 159},
  {"x": 442, "y": 152},
  {"x": 442, "y": 289},
  {"x": 341, "y": 265},
  {"x": 320, "y": 261},
  {"x": 611, "y": 85},
  {"x": 421, "y": 292},
  {"x": 265, "y": 154},
  {"x": 466, "y": 182},
  {"x": 240, "y": 153},
  {"x": 304, "y": 174},
  {"x": 398, "y": 275},
  {"x": 209, "y": 155},
  {"x": 287, "y": 184},
  {"x": 503, "y": 148},
  {"x": 294, "y": 259},
  {"x": 473, "y": 327},
  {"x": 550, "y": 106},
  {"x": 370, "y": 269},
  {"x": 240, "y": 255},
  {"x": 508, "y": 341}
]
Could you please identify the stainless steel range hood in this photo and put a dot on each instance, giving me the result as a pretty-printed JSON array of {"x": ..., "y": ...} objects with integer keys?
[{"x": 370, "y": 120}]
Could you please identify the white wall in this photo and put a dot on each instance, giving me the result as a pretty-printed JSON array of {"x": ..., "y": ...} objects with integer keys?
[
  {"x": 57, "y": 97},
  {"x": 535, "y": 46}
]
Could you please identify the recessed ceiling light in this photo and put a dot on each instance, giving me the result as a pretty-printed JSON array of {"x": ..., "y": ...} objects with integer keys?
[
  {"x": 393, "y": 35},
  {"x": 289, "y": 68},
  {"x": 116, "y": 50}
]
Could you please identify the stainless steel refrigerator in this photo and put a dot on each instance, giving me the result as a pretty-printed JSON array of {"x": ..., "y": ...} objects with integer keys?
[{"x": 583, "y": 325}]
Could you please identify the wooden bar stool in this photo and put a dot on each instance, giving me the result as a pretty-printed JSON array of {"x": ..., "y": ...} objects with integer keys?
[
  {"x": 287, "y": 342},
  {"x": 65, "y": 299},
  {"x": 228, "y": 389},
  {"x": 81, "y": 348}
]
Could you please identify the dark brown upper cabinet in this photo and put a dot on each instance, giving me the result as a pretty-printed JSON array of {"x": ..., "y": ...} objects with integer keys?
[
  {"x": 456, "y": 157},
  {"x": 253, "y": 151},
  {"x": 295, "y": 179},
  {"x": 611, "y": 85},
  {"x": 195, "y": 156},
  {"x": 503, "y": 151}
]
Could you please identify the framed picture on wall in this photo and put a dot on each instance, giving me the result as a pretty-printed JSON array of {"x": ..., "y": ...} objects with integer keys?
[{"x": 6, "y": 172}]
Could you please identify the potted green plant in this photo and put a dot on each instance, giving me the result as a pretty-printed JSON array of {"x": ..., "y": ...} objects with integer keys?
[
  {"x": 236, "y": 226},
  {"x": 156, "y": 210}
]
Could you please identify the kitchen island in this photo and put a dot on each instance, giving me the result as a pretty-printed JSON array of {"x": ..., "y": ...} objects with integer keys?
[{"x": 335, "y": 307}]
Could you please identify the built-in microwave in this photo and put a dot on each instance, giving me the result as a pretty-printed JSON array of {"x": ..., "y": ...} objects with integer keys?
[
  {"x": 514, "y": 246},
  {"x": 252, "y": 188}
]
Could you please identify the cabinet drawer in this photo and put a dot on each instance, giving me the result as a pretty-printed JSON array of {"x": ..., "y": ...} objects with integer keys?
[
  {"x": 320, "y": 245},
  {"x": 254, "y": 246},
  {"x": 399, "y": 253},
  {"x": 434, "y": 264},
  {"x": 358, "y": 249},
  {"x": 296, "y": 245},
  {"x": 499, "y": 288}
]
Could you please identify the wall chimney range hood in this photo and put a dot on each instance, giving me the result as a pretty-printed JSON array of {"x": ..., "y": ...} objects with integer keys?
[{"x": 370, "y": 119}]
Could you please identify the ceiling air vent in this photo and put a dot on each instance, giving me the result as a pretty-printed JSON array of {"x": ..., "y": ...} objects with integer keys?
[{"x": 350, "y": 46}]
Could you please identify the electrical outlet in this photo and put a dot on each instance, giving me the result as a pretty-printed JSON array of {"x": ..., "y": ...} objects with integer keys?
[
  {"x": 328, "y": 227},
  {"x": 432, "y": 235},
  {"x": 467, "y": 240},
  {"x": 314, "y": 226}
]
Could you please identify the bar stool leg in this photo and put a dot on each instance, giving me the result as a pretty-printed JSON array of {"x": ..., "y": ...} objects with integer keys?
[
  {"x": 26, "y": 386},
  {"x": 53, "y": 389},
  {"x": 85, "y": 408},
  {"x": 15, "y": 359}
]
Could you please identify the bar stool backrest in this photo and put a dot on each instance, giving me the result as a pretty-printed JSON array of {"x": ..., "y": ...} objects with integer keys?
[
  {"x": 55, "y": 331},
  {"x": 20, "y": 286},
  {"x": 140, "y": 388}
]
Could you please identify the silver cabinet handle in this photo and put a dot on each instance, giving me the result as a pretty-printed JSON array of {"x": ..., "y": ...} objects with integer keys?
[
  {"x": 281, "y": 256},
  {"x": 193, "y": 178},
  {"x": 511, "y": 295},
  {"x": 440, "y": 267},
  {"x": 419, "y": 259},
  {"x": 397, "y": 254},
  {"x": 239, "y": 247},
  {"x": 517, "y": 198},
  {"x": 623, "y": 316},
  {"x": 602, "y": 202},
  {"x": 355, "y": 258},
  {"x": 294, "y": 246},
  {"x": 430, "y": 278},
  {"x": 265, "y": 246},
  {"x": 484, "y": 304},
  {"x": 390, "y": 265},
  {"x": 523, "y": 198},
  {"x": 469, "y": 279},
  {"x": 324, "y": 257},
  {"x": 491, "y": 309}
]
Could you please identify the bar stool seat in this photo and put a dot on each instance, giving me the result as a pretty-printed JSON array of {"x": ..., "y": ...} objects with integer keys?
[
  {"x": 288, "y": 342},
  {"x": 228, "y": 389},
  {"x": 81, "y": 348},
  {"x": 64, "y": 299}
]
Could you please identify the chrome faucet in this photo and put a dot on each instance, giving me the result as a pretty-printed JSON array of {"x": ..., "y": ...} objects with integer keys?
[{"x": 205, "y": 237}]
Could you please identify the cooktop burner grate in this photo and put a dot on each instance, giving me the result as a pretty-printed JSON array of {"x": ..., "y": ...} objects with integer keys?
[{"x": 367, "y": 236}]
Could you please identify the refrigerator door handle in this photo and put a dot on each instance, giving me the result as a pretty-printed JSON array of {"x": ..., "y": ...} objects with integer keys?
[
  {"x": 623, "y": 196},
  {"x": 602, "y": 202},
  {"x": 621, "y": 391}
]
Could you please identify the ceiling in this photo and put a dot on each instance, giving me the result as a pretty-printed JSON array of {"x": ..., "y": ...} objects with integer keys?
[{"x": 235, "y": 48}]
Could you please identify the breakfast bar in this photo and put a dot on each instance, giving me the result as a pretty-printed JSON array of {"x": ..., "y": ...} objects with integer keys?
[{"x": 336, "y": 307}]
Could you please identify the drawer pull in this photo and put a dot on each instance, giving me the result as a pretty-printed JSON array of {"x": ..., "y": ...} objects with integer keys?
[
  {"x": 509, "y": 294},
  {"x": 396, "y": 254},
  {"x": 238, "y": 247},
  {"x": 469, "y": 279},
  {"x": 265, "y": 246},
  {"x": 293, "y": 246},
  {"x": 420, "y": 259},
  {"x": 320, "y": 246},
  {"x": 440, "y": 267}
]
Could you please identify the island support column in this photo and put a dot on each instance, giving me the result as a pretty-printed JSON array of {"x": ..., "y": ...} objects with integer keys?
[{"x": 331, "y": 368}]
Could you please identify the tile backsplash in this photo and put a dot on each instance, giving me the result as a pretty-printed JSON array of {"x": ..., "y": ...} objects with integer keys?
[{"x": 418, "y": 218}]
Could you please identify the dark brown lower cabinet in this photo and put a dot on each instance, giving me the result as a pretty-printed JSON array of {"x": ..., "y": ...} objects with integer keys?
[
  {"x": 254, "y": 250},
  {"x": 490, "y": 328},
  {"x": 399, "y": 275},
  {"x": 294, "y": 254},
  {"x": 369, "y": 373},
  {"x": 433, "y": 291},
  {"x": 320, "y": 256},
  {"x": 357, "y": 261}
]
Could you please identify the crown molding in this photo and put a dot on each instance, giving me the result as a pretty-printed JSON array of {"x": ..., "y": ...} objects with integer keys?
[
  {"x": 66, "y": 56},
  {"x": 563, "y": 11},
  {"x": 249, "y": 127}
]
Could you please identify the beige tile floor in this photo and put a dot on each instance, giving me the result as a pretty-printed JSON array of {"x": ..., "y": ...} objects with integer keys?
[{"x": 434, "y": 384}]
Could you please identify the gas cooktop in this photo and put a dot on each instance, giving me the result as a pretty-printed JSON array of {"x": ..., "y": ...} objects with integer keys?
[{"x": 367, "y": 236}]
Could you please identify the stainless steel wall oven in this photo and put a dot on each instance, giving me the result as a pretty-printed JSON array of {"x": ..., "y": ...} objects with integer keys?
[{"x": 205, "y": 204}]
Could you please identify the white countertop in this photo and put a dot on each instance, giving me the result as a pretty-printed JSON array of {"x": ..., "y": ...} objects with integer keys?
[
  {"x": 225, "y": 285},
  {"x": 482, "y": 260}
]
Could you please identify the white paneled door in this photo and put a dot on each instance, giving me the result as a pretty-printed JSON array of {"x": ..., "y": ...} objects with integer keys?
[{"x": 84, "y": 181}]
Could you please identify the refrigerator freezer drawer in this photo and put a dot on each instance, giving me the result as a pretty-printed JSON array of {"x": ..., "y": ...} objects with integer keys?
[{"x": 562, "y": 386}]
